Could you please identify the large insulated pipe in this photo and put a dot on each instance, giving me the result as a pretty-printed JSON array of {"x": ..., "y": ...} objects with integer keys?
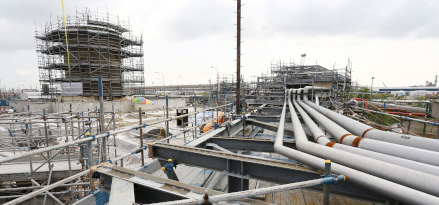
[
  {"x": 322, "y": 139},
  {"x": 366, "y": 131},
  {"x": 384, "y": 187},
  {"x": 345, "y": 137},
  {"x": 408, "y": 108},
  {"x": 306, "y": 91},
  {"x": 426, "y": 182}
]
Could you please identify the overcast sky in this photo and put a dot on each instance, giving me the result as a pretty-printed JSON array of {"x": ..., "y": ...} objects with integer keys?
[{"x": 395, "y": 41}]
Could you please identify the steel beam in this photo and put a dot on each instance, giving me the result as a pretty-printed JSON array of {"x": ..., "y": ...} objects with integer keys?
[
  {"x": 246, "y": 144},
  {"x": 270, "y": 118},
  {"x": 272, "y": 110},
  {"x": 244, "y": 166},
  {"x": 270, "y": 126},
  {"x": 152, "y": 189}
]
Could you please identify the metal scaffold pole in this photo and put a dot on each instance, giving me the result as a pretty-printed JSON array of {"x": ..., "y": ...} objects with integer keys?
[{"x": 101, "y": 120}]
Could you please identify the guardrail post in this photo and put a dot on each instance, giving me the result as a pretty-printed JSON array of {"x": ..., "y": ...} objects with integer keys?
[
  {"x": 326, "y": 187},
  {"x": 141, "y": 132}
]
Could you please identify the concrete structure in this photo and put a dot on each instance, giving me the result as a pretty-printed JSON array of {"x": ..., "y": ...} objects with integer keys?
[{"x": 98, "y": 45}]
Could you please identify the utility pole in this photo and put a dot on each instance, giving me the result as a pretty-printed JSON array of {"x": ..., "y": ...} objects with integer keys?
[{"x": 238, "y": 57}]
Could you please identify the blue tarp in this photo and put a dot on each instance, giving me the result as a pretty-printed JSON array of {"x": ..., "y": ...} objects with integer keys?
[{"x": 4, "y": 103}]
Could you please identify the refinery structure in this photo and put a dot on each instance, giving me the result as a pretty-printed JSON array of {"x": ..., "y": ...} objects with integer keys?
[
  {"x": 99, "y": 44},
  {"x": 298, "y": 134}
]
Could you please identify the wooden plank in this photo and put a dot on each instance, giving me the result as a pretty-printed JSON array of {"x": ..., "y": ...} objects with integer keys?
[
  {"x": 309, "y": 199},
  {"x": 332, "y": 200},
  {"x": 317, "y": 196},
  {"x": 359, "y": 202},
  {"x": 344, "y": 200},
  {"x": 296, "y": 197},
  {"x": 277, "y": 198},
  {"x": 284, "y": 197}
]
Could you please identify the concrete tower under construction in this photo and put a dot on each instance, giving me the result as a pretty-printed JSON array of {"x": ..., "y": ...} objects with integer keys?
[{"x": 99, "y": 45}]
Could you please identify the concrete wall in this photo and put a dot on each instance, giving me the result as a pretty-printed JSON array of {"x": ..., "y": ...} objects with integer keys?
[
  {"x": 160, "y": 104},
  {"x": 119, "y": 106},
  {"x": 435, "y": 110},
  {"x": 21, "y": 106}
]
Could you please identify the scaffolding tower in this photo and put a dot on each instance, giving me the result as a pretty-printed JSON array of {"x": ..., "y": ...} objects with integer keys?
[{"x": 99, "y": 44}]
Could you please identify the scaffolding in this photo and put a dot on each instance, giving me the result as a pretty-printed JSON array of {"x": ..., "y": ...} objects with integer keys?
[
  {"x": 99, "y": 44},
  {"x": 269, "y": 87}
]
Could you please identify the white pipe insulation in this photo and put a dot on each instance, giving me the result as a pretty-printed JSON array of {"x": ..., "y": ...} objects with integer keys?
[
  {"x": 345, "y": 137},
  {"x": 379, "y": 185},
  {"x": 360, "y": 129},
  {"x": 426, "y": 182},
  {"x": 322, "y": 139}
]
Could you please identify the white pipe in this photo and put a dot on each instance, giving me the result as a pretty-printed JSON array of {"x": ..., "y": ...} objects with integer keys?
[
  {"x": 426, "y": 182},
  {"x": 345, "y": 137},
  {"x": 322, "y": 139},
  {"x": 408, "y": 108},
  {"x": 366, "y": 131},
  {"x": 387, "y": 188},
  {"x": 306, "y": 90}
]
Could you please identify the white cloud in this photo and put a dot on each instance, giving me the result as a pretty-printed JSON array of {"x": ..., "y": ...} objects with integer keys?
[{"x": 395, "y": 41}]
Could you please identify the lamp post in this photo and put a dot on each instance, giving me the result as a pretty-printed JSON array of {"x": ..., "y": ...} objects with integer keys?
[
  {"x": 177, "y": 83},
  {"x": 163, "y": 78},
  {"x": 158, "y": 85},
  {"x": 217, "y": 83},
  {"x": 371, "y": 88}
]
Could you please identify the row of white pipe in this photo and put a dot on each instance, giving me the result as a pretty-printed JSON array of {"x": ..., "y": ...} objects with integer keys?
[
  {"x": 363, "y": 130},
  {"x": 416, "y": 183}
]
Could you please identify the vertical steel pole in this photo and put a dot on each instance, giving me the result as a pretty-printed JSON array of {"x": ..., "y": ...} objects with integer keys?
[
  {"x": 238, "y": 57},
  {"x": 195, "y": 107},
  {"x": 89, "y": 152},
  {"x": 48, "y": 181},
  {"x": 45, "y": 132},
  {"x": 225, "y": 107},
  {"x": 114, "y": 128},
  {"x": 167, "y": 117},
  {"x": 67, "y": 148},
  {"x": 28, "y": 148},
  {"x": 184, "y": 132},
  {"x": 141, "y": 135},
  {"x": 326, "y": 187},
  {"x": 101, "y": 117}
]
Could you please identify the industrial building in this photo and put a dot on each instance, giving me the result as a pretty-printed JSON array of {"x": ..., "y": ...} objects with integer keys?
[{"x": 99, "y": 44}]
